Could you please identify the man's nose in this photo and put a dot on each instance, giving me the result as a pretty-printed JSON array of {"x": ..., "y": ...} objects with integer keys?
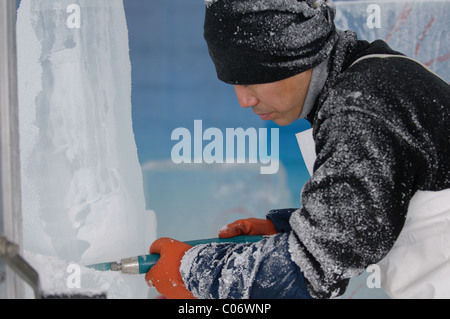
[{"x": 245, "y": 96}]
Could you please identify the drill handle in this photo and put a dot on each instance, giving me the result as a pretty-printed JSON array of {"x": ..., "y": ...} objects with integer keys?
[{"x": 146, "y": 262}]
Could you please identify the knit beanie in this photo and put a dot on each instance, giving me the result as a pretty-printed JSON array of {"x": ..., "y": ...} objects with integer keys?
[{"x": 262, "y": 41}]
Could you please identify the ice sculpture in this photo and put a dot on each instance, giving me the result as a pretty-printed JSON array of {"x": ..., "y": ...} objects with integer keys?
[{"x": 83, "y": 198}]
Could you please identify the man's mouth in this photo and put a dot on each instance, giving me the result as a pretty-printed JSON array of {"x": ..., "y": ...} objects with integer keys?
[{"x": 265, "y": 116}]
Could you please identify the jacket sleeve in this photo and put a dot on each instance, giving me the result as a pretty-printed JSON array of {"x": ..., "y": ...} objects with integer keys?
[
  {"x": 261, "y": 270},
  {"x": 280, "y": 219}
]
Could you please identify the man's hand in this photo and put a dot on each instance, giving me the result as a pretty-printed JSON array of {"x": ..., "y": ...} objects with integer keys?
[
  {"x": 250, "y": 226},
  {"x": 165, "y": 275}
]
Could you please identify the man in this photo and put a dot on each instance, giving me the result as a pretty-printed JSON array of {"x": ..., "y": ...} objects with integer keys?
[{"x": 381, "y": 124}]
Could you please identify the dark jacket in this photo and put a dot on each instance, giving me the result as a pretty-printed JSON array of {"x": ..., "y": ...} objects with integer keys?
[{"x": 382, "y": 131}]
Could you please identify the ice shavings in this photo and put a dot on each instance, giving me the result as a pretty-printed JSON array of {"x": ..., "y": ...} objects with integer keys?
[
  {"x": 257, "y": 270},
  {"x": 369, "y": 136},
  {"x": 294, "y": 3},
  {"x": 283, "y": 35},
  {"x": 210, "y": 2}
]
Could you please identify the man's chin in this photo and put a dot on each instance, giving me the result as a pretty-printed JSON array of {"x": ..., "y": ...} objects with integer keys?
[{"x": 282, "y": 122}]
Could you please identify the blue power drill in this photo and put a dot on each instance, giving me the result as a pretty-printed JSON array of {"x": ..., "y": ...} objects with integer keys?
[{"x": 142, "y": 264}]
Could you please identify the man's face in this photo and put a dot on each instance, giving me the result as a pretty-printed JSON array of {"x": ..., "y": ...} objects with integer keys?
[{"x": 281, "y": 101}]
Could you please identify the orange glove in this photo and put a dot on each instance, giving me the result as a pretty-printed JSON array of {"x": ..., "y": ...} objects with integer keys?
[
  {"x": 250, "y": 226},
  {"x": 165, "y": 274}
]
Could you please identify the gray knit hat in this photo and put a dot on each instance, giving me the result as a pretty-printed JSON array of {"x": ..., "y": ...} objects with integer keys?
[{"x": 261, "y": 41}]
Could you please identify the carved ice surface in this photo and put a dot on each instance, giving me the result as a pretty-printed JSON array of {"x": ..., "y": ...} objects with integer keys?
[{"x": 82, "y": 191}]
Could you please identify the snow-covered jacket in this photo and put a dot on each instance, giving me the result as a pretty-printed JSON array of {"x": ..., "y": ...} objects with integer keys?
[{"x": 381, "y": 129}]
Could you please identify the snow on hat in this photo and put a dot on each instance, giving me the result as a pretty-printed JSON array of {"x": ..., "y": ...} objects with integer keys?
[{"x": 261, "y": 41}]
